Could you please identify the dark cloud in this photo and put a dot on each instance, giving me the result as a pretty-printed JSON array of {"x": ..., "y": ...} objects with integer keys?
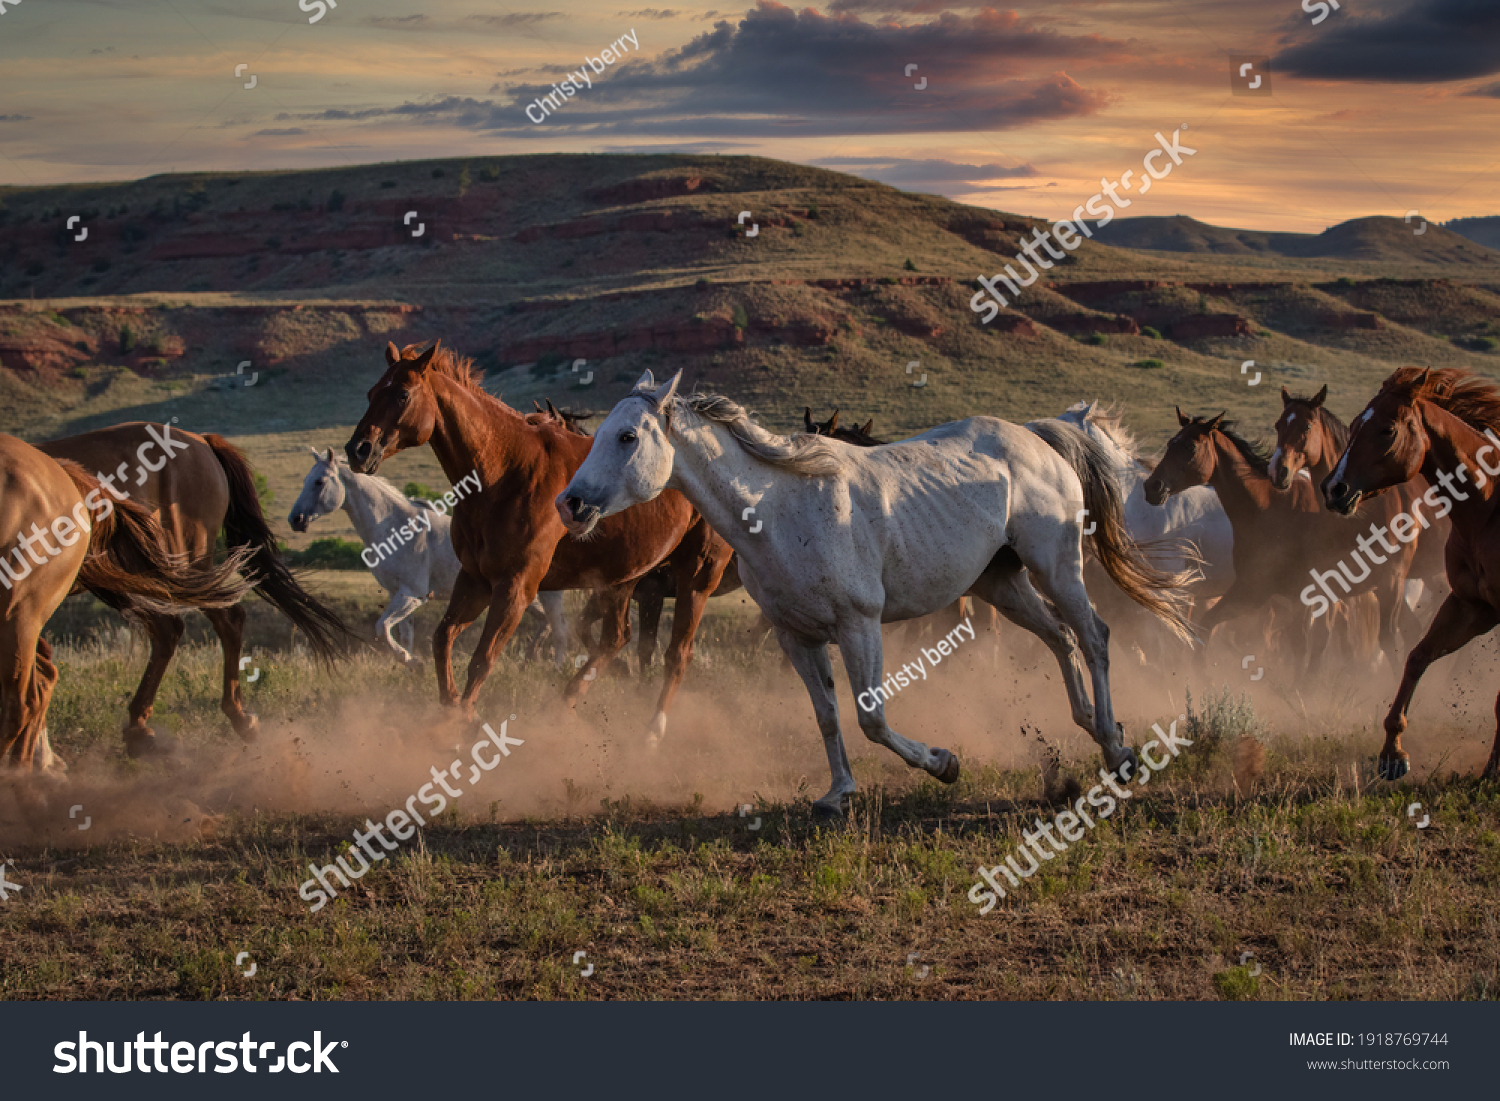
[
  {"x": 290, "y": 132},
  {"x": 514, "y": 19},
  {"x": 782, "y": 73},
  {"x": 912, "y": 7},
  {"x": 1490, "y": 90},
  {"x": 1429, "y": 41},
  {"x": 653, "y": 13},
  {"x": 15, "y": 118},
  {"x": 786, "y": 73}
]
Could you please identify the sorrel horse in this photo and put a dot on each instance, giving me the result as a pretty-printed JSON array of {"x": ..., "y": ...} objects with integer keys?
[
  {"x": 1310, "y": 438},
  {"x": 198, "y": 485},
  {"x": 509, "y": 539},
  {"x": 113, "y": 548},
  {"x": 1440, "y": 424},
  {"x": 853, "y": 537},
  {"x": 1279, "y": 536}
]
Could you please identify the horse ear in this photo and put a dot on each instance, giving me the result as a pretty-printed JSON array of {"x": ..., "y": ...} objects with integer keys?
[
  {"x": 330, "y": 458},
  {"x": 553, "y": 410},
  {"x": 807, "y": 422},
  {"x": 1286, "y": 396},
  {"x": 392, "y": 354},
  {"x": 1182, "y": 420},
  {"x": 1089, "y": 412},
  {"x": 1215, "y": 422},
  {"x": 668, "y": 390},
  {"x": 536, "y": 405},
  {"x": 834, "y": 422},
  {"x": 869, "y": 424},
  {"x": 1321, "y": 395},
  {"x": 424, "y": 360},
  {"x": 646, "y": 381}
]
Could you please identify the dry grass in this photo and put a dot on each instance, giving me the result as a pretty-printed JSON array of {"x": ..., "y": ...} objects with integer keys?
[{"x": 1261, "y": 838}]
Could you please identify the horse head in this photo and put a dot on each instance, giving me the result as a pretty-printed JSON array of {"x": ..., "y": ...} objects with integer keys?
[
  {"x": 402, "y": 409},
  {"x": 1189, "y": 460},
  {"x": 1301, "y": 439},
  {"x": 1387, "y": 444}
]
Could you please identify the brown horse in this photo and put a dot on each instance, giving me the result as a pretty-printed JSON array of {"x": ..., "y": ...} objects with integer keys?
[
  {"x": 1310, "y": 438},
  {"x": 59, "y": 527},
  {"x": 1279, "y": 536},
  {"x": 197, "y": 485},
  {"x": 508, "y": 537},
  {"x": 1440, "y": 424}
]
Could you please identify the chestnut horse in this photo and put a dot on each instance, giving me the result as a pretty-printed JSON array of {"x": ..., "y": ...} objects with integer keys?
[
  {"x": 508, "y": 537},
  {"x": 197, "y": 485},
  {"x": 1279, "y": 535},
  {"x": 1440, "y": 424},
  {"x": 113, "y": 548},
  {"x": 1310, "y": 438}
]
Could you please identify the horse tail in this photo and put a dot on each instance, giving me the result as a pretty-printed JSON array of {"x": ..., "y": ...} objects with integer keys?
[
  {"x": 131, "y": 566},
  {"x": 245, "y": 528},
  {"x": 1160, "y": 592}
]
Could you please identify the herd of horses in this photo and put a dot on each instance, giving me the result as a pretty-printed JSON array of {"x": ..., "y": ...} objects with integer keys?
[{"x": 832, "y": 532}]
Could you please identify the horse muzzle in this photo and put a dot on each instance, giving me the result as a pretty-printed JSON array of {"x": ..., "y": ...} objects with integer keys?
[
  {"x": 298, "y": 520},
  {"x": 364, "y": 457},
  {"x": 1155, "y": 491},
  {"x": 1342, "y": 499},
  {"x": 577, "y": 516}
]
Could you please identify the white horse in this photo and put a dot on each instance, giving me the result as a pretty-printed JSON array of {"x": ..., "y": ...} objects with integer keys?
[
  {"x": 423, "y": 566},
  {"x": 846, "y": 538}
]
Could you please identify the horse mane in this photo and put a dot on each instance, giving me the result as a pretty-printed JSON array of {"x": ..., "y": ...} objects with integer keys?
[
  {"x": 1112, "y": 423},
  {"x": 461, "y": 369},
  {"x": 800, "y": 454},
  {"x": 1253, "y": 453},
  {"x": 1471, "y": 398}
]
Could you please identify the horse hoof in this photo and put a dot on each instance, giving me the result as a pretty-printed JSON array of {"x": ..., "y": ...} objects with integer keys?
[
  {"x": 142, "y": 743},
  {"x": 1124, "y": 770},
  {"x": 948, "y": 774},
  {"x": 248, "y": 728},
  {"x": 822, "y": 812},
  {"x": 1393, "y": 768}
]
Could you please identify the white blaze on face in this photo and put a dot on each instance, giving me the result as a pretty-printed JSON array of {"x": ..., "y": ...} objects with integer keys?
[{"x": 1359, "y": 422}]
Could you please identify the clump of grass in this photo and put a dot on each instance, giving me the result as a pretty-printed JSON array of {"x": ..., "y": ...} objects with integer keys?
[
  {"x": 1149, "y": 364},
  {"x": 1147, "y": 330}
]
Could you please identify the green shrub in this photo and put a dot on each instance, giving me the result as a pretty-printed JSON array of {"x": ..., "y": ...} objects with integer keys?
[
  {"x": 1149, "y": 364},
  {"x": 1096, "y": 339},
  {"x": 1147, "y": 330},
  {"x": 417, "y": 489},
  {"x": 909, "y": 266},
  {"x": 741, "y": 319},
  {"x": 332, "y": 553},
  {"x": 127, "y": 340}
]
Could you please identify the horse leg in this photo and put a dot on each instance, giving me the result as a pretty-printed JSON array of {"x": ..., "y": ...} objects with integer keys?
[
  {"x": 36, "y": 748},
  {"x": 860, "y": 643},
  {"x": 613, "y": 606},
  {"x": 165, "y": 632},
  {"x": 1492, "y": 767},
  {"x": 1457, "y": 623},
  {"x": 229, "y": 625},
  {"x": 470, "y": 595},
  {"x": 811, "y": 662},
  {"x": 406, "y": 633},
  {"x": 18, "y": 652},
  {"x": 1009, "y": 590},
  {"x": 696, "y": 582},
  {"x": 403, "y": 603},
  {"x": 508, "y": 603},
  {"x": 552, "y": 606},
  {"x": 651, "y": 602}
]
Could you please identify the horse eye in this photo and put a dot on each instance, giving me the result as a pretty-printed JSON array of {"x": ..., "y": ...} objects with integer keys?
[
  {"x": 322, "y": 481},
  {"x": 405, "y": 396},
  {"x": 1388, "y": 430},
  {"x": 627, "y": 436}
]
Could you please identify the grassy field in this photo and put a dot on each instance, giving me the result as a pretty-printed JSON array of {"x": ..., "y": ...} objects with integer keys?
[{"x": 1267, "y": 836}]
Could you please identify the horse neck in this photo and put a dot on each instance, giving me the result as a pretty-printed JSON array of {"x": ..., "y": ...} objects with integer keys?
[
  {"x": 366, "y": 501},
  {"x": 1322, "y": 464},
  {"x": 1242, "y": 490},
  {"x": 474, "y": 432},
  {"x": 1453, "y": 446},
  {"x": 720, "y": 480}
]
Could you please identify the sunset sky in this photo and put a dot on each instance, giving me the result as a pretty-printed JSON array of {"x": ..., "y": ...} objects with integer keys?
[{"x": 1384, "y": 106}]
